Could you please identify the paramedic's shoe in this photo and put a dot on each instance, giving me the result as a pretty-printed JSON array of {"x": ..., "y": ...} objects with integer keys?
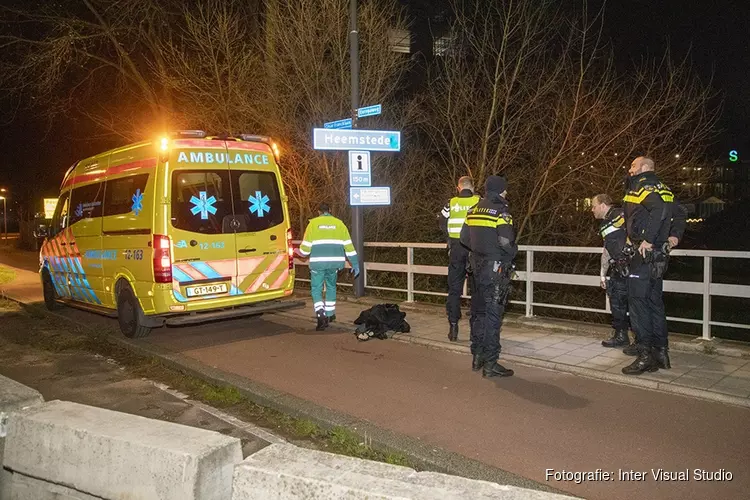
[{"x": 322, "y": 322}]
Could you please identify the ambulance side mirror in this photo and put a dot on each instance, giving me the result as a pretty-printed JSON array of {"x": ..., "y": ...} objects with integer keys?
[{"x": 41, "y": 231}]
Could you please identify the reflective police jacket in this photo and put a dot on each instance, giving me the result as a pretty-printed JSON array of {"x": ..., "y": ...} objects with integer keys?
[
  {"x": 453, "y": 215},
  {"x": 651, "y": 211},
  {"x": 488, "y": 231},
  {"x": 612, "y": 231},
  {"x": 328, "y": 244}
]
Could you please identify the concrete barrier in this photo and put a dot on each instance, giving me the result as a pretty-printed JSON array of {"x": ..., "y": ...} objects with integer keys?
[
  {"x": 116, "y": 456},
  {"x": 286, "y": 471},
  {"x": 29, "y": 488},
  {"x": 13, "y": 397}
]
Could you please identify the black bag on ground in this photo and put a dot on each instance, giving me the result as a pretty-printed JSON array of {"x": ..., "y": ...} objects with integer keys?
[{"x": 380, "y": 319}]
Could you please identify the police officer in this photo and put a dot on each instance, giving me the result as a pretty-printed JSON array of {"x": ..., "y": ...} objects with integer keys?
[
  {"x": 614, "y": 269},
  {"x": 489, "y": 234},
  {"x": 329, "y": 245},
  {"x": 655, "y": 224},
  {"x": 452, "y": 220}
]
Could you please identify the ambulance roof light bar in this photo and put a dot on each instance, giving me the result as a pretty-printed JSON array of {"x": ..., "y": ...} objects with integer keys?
[
  {"x": 255, "y": 138},
  {"x": 193, "y": 134}
]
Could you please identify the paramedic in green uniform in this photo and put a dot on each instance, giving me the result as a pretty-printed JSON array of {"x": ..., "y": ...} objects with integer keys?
[{"x": 328, "y": 244}]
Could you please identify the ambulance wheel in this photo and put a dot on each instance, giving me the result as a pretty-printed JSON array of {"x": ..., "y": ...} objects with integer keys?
[
  {"x": 130, "y": 315},
  {"x": 50, "y": 295}
]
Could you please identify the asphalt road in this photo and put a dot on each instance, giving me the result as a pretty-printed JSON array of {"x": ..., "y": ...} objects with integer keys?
[{"x": 534, "y": 421}]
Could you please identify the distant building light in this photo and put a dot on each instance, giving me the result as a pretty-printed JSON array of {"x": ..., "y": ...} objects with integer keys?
[{"x": 399, "y": 41}]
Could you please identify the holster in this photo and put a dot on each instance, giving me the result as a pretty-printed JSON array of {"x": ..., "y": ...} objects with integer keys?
[
  {"x": 504, "y": 283},
  {"x": 621, "y": 266},
  {"x": 469, "y": 264},
  {"x": 658, "y": 261}
]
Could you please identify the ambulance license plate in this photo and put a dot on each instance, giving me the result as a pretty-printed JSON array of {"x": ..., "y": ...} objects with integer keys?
[{"x": 196, "y": 291}]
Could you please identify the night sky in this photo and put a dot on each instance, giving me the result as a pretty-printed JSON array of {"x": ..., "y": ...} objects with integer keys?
[{"x": 714, "y": 33}]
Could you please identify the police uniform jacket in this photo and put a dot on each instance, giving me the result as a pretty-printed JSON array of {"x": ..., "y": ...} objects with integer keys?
[
  {"x": 651, "y": 211},
  {"x": 612, "y": 231},
  {"x": 488, "y": 231}
]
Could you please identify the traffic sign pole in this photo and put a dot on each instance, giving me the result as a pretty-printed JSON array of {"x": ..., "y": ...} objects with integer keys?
[{"x": 357, "y": 219}]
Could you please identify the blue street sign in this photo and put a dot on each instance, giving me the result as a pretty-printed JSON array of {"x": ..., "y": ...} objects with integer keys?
[
  {"x": 361, "y": 113},
  {"x": 369, "y": 111},
  {"x": 359, "y": 168},
  {"x": 345, "y": 123},
  {"x": 345, "y": 140},
  {"x": 369, "y": 196}
]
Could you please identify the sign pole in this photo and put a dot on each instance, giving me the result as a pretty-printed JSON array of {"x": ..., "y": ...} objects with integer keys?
[{"x": 357, "y": 219}]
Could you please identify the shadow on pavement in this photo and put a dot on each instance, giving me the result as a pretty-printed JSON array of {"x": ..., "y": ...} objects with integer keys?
[{"x": 538, "y": 392}]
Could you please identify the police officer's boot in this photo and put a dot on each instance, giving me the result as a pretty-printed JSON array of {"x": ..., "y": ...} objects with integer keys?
[
  {"x": 495, "y": 369},
  {"x": 322, "y": 321},
  {"x": 661, "y": 357},
  {"x": 619, "y": 339},
  {"x": 477, "y": 362},
  {"x": 643, "y": 363},
  {"x": 453, "y": 332},
  {"x": 631, "y": 350}
]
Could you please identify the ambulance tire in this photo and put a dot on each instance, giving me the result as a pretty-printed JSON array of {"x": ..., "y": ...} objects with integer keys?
[
  {"x": 50, "y": 295},
  {"x": 129, "y": 314}
]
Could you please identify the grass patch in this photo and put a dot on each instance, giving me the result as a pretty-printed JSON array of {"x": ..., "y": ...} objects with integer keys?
[
  {"x": 32, "y": 326},
  {"x": 6, "y": 275}
]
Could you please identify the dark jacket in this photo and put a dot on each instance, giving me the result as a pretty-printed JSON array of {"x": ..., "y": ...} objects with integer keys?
[
  {"x": 652, "y": 213},
  {"x": 488, "y": 231},
  {"x": 612, "y": 231}
]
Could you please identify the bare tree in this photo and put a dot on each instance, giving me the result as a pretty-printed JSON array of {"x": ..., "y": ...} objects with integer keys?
[
  {"x": 529, "y": 92},
  {"x": 94, "y": 57}
]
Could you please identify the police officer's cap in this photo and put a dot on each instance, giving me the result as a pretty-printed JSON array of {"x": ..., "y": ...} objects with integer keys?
[{"x": 496, "y": 184}]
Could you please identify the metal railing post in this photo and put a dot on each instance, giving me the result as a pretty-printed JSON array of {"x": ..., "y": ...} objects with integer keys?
[
  {"x": 707, "y": 298},
  {"x": 409, "y": 274},
  {"x": 529, "y": 283}
]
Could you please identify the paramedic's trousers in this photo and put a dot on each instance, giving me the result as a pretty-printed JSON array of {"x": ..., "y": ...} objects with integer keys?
[
  {"x": 318, "y": 279},
  {"x": 457, "y": 263}
]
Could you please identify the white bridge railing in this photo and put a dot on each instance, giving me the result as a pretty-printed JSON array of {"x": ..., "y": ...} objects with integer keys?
[{"x": 705, "y": 288}]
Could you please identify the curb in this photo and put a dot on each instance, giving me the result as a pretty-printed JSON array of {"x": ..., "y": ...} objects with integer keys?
[
  {"x": 590, "y": 373},
  {"x": 420, "y": 455},
  {"x": 696, "y": 344}
]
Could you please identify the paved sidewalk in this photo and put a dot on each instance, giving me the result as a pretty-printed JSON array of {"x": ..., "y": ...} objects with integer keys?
[{"x": 708, "y": 376}]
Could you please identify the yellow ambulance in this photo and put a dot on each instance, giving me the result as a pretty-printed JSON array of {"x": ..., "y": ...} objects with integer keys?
[{"x": 179, "y": 230}]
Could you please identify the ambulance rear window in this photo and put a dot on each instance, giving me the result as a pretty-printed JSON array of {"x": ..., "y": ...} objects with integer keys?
[
  {"x": 201, "y": 200},
  {"x": 257, "y": 200}
]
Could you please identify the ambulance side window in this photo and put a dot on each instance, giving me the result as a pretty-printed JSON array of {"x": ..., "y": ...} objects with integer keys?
[
  {"x": 87, "y": 202},
  {"x": 61, "y": 218},
  {"x": 119, "y": 193}
]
